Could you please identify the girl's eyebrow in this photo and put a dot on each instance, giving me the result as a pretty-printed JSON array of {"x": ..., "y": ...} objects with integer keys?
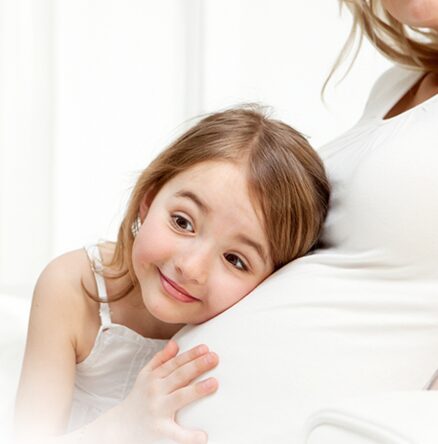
[
  {"x": 206, "y": 209},
  {"x": 196, "y": 199},
  {"x": 257, "y": 247}
]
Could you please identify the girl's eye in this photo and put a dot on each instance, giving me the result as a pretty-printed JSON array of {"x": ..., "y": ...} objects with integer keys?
[
  {"x": 182, "y": 223},
  {"x": 236, "y": 261}
]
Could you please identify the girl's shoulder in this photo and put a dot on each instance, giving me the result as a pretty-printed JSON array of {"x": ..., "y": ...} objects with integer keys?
[
  {"x": 66, "y": 275},
  {"x": 72, "y": 272},
  {"x": 61, "y": 293}
]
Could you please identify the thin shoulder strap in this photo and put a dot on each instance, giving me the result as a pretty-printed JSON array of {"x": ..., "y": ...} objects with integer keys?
[{"x": 96, "y": 266}]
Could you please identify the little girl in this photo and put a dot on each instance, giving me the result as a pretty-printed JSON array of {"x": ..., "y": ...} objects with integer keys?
[{"x": 232, "y": 200}]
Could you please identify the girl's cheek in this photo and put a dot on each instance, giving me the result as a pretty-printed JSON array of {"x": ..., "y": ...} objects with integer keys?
[
  {"x": 153, "y": 244},
  {"x": 227, "y": 288},
  {"x": 137, "y": 254}
]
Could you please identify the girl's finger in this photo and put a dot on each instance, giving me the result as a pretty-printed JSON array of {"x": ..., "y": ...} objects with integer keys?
[
  {"x": 185, "y": 374},
  {"x": 190, "y": 393},
  {"x": 184, "y": 436},
  {"x": 178, "y": 361},
  {"x": 163, "y": 356}
]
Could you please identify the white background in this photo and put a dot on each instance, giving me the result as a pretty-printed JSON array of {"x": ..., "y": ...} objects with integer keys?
[{"x": 91, "y": 90}]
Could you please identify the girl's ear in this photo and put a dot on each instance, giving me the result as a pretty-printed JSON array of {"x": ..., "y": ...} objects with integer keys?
[{"x": 146, "y": 203}]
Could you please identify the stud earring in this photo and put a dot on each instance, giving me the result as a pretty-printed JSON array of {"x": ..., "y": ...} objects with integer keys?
[{"x": 135, "y": 227}]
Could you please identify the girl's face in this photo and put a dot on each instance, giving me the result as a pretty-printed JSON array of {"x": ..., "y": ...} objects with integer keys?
[
  {"x": 419, "y": 13},
  {"x": 202, "y": 246}
]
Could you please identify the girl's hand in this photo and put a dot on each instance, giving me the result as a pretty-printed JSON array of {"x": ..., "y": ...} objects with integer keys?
[{"x": 163, "y": 387}]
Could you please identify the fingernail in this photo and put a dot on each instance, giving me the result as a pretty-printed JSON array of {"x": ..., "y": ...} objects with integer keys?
[
  {"x": 201, "y": 438},
  {"x": 208, "y": 383},
  {"x": 209, "y": 358},
  {"x": 202, "y": 349}
]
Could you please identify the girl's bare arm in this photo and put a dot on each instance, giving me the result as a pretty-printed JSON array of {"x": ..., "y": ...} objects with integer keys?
[
  {"x": 45, "y": 392},
  {"x": 47, "y": 377}
]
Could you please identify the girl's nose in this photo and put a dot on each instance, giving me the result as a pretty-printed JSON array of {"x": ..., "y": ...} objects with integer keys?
[{"x": 193, "y": 266}]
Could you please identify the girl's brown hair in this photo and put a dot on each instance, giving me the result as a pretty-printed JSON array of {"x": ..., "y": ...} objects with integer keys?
[
  {"x": 286, "y": 178},
  {"x": 406, "y": 45}
]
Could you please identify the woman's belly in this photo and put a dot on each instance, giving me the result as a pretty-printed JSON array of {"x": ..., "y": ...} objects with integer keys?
[{"x": 326, "y": 326}]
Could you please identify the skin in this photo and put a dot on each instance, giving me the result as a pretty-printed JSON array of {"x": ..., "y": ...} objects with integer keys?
[
  {"x": 434, "y": 385},
  {"x": 417, "y": 13}
]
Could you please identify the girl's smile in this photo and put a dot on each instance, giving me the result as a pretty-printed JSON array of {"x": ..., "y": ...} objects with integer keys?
[{"x": 174, "y": 290}]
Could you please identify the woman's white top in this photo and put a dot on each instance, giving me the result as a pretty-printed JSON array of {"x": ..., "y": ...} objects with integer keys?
[
  {"x": 360, "y": 315},
  {"x": 108, "y": 373}
]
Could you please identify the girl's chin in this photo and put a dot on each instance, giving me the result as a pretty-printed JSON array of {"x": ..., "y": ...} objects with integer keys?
[
  {"x": 169, "y": 310},
  {"x": 165, "y": 312}
]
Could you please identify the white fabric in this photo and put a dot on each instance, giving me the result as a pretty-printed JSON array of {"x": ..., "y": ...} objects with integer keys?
[
  {"x": 358, "y": 316},
  {"x": 391, "y": 418},
  {"x": 96, "y": 264},
  {"x": 108, "y": 373}
]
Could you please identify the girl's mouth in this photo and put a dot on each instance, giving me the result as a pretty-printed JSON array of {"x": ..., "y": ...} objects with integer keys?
[{"x": 174, "y": 290}]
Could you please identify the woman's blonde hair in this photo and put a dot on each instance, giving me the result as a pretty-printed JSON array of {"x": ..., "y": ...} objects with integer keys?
[
  {"x": 286, "y": 178},
  {"x": 406, "y": 45}
]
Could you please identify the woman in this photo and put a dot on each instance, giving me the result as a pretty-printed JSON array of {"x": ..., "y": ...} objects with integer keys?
[{"x": 360, "y": 315}]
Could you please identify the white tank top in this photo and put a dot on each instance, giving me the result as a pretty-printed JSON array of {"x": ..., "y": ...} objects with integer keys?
[{"x": 108, "y": 373}]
